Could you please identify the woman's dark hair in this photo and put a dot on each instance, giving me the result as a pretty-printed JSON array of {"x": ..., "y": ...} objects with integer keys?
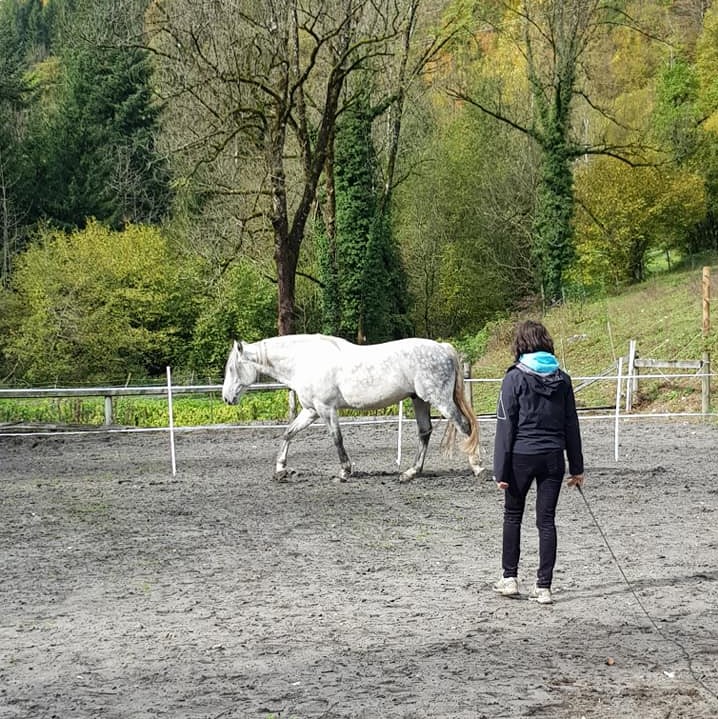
[{"x": 531, "y": 336}]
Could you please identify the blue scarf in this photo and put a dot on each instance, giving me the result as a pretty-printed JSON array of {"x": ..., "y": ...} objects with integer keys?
[{"x": 540, "y": 362}]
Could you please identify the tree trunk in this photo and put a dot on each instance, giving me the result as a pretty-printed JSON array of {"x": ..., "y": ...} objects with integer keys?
[{"x": 286, "y": 257}]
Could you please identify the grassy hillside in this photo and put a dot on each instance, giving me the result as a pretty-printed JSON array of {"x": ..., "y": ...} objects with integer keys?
[{"x": 664, "y": 315}]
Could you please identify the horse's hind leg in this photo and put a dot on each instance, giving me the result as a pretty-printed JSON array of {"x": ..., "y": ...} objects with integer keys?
[
  {"x": 301, "y": 421},
  {"x": 423, "y": 425},
  {"x": 480, "y": 472},
  {"x": 332, "y": 419},
  {"x": 453, "y": 414}
]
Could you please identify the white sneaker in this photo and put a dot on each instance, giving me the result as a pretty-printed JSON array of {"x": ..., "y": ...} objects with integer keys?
[
  {"x": 541, "y": 595},
  {"x": 507, "y": 586}
]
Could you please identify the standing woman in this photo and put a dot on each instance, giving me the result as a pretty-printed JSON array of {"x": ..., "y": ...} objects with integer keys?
[{"x": 536, "y": 424}]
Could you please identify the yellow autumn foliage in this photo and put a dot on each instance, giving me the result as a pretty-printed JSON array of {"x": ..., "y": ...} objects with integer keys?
[{"x": 626, "y": 212}]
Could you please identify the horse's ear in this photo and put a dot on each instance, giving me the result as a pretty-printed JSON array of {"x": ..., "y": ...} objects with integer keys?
[{"x": 237, "y": 346}]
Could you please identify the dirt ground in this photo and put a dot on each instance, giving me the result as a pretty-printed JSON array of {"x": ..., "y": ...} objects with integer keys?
[{"x": 130, "y": 593}]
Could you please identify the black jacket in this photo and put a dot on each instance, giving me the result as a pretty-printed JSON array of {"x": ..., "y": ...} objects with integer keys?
[{"x": 536, "y": 414}]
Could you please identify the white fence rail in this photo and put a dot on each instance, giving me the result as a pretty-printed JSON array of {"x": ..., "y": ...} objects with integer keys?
[
  {"x": 109, "y": 393},
  {"x": 622, "y": 381}
]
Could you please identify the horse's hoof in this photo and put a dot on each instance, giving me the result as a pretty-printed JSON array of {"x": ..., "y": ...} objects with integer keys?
[
  {"x": 282, "y": 475},
  {"x": 407, "y": 476},
  {"x": 482, "y": 473}
]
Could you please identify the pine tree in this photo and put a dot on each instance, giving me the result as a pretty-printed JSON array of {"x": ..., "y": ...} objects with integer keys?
[
  {"x": 96, "y": 153},
  {"x": 14, "y": 168}
]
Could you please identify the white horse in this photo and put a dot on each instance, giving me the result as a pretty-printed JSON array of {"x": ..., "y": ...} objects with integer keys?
[{"x": 329, "y": 373}]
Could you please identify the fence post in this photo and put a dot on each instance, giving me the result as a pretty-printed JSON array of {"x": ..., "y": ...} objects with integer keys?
[
  {"x": 468, "y": 386},
  {"x": 618, "y": 408},
  {"x": 399, "y": 436},
  {"x": 631, "y": 382},
  {"x": 171, "y": 416},
  {"x": 706, "y": 327},
  {"x": 108, "y": 410},
  {"x": 706, "y": 384}
]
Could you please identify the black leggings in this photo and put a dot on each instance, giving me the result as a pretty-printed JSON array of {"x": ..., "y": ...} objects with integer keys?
[{"x": 548, "y": 471}]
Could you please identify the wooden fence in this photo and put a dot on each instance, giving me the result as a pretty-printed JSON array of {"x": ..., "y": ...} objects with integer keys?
[{"x": 702, "y": 369}]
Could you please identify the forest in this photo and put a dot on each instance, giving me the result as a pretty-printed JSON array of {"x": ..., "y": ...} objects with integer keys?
[{"x": 178, "y": 173}]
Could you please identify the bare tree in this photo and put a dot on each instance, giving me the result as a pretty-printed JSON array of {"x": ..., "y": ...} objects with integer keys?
[{"x": 253, "y": 90}]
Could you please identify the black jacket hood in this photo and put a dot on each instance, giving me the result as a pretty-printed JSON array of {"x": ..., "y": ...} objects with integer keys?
[{"x": 544, "y": 384}]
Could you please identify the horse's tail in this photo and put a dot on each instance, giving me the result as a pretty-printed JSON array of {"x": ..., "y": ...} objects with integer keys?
[{"x": 471, "y": 443}]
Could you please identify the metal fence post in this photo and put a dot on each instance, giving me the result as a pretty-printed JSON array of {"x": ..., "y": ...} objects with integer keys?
[{"x": 468, "y": 386}]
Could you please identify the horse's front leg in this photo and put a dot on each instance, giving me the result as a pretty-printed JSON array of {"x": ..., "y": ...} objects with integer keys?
[
  {"x": 301, "y": 421},
  {"x": 332, "y": 419},
  {"x": 423, "y": 425}
]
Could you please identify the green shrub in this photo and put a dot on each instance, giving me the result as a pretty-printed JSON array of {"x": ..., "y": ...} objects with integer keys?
[
  {"x": 97, "y": 306},
  {"x": 243, "y": 306}
]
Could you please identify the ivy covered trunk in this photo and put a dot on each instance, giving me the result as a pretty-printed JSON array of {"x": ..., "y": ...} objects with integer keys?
[
  {"x": 553, "y": 232},
  {"x": 364, "y": 282}
]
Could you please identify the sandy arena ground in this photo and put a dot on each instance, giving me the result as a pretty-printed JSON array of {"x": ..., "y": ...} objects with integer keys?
[{"x": 130, "y": 594}]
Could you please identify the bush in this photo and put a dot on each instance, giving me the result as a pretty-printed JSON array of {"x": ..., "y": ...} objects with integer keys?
[
  {"x": 242, "y": 306},
  {"x": 96, "y": 306}
]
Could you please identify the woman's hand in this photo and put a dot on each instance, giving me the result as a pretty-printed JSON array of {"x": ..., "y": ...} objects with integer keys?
[
  {"x": 502, "y": 485},
  {"x": 575, "y": 480}
]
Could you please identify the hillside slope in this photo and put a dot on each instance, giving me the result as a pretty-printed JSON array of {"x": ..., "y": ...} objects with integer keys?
[{"x": 664, "y": 315}]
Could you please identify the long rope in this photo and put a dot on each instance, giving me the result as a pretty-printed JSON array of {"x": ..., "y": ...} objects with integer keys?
[{"x": 657, "y": 629}]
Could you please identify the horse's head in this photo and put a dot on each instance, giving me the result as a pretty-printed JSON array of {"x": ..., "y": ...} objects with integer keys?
[{"x": 239, "y": 373}]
